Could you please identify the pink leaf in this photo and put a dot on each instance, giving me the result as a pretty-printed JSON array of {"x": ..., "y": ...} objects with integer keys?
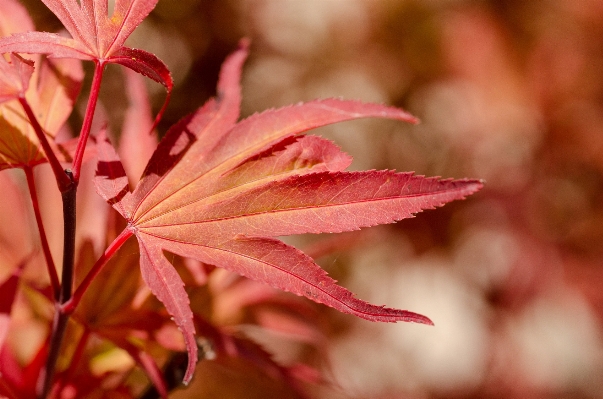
[
  {"x": 14, "y": 77},
  {"x": 136, "y": 145},
  {"x": 165, "y": 283},
  {"x": 95, "y": 36},
  {"x": 111, "y": 181},
  {"x": 218, "y": 192},
  {"x": 150, "y": 66},
  {"x": 90, "y": 25},
  {"x": 284, "y": 267},
  {"x": 53, "y": 45},
  {"x": 56, "y": 91},
  {"x": 51, "y": 94},
  {"x": 209, "y": 124},
  {"x": 314, "y": 203},
  {"x": 14, "y": 17}
]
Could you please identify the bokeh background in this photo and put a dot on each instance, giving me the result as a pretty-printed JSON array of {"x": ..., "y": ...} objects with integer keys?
[{"x": 509, "y": 91}]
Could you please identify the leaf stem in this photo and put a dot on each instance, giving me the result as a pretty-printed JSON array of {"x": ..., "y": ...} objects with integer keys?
[
  {"x": 63, "y": 181},
  {"x": 68, "y": 192},
  {"x": 69, "y": 306},
  {"x": 69, "y": 220},
  {"x": 60, "y": 318},
  {"x": 52, "y": 271},
  {"x": 45, "y": 378},
  {"x": 99, "y": 67}
]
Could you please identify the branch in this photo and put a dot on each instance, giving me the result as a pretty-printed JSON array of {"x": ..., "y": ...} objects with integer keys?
[{"x": 60, "y": 318}]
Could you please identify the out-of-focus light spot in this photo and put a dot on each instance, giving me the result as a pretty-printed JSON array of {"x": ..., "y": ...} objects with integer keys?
[
  {"x": 450, "y": 356},
  {"x": 112, "y": 360},
  {"x": 271, "y": 81},
  {"x": 559, "y": 344},
  {"x": 555, "y": 206},
  {"x": 306, "y": 27},
  {"x": 486, "y": 256},
  {"x": 349, "y": 83},
  {"x": 498, "y": 139}
]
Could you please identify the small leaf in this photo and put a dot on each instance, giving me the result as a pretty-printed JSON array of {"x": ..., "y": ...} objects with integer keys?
[
  {"x": 136, "y": 145},
  {"x": 111, "y": 181},
  {"x": 51, "y": 94},
  {"x": 14, "y": 77},
  {"x": 108, "y": 305},
  {"x": 233, "y": 351},
  {"x": 57, "y": 88},
  {"x": 95, "y": 36},
  {"x": 149, "y": 65},
  {"x": 16, "y": 149}
]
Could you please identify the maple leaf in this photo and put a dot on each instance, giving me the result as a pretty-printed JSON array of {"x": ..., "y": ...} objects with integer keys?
[
  {"x": 51, "y": 98},
  {"x": 110, "y": 313},
  {"x": 136, "y": 144},
  {"x": 95, "y": 36},
  {"x": 14, "y": 77},
  {"x": 220, "y": 192},
  {"x": 50, "y": 90}
]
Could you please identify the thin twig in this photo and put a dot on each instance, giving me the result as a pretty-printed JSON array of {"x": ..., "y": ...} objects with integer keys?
[
  {"x": 63, "y": 181},
  {"x": 52, "y": 271},
  {"x": 69, "y": 306}
]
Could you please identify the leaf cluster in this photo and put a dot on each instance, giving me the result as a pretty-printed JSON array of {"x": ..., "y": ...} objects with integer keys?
[{"x": 212, "y": 201}]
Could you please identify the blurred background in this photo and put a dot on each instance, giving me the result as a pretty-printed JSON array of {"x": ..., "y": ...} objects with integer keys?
[{"x": 508, "y": 91}]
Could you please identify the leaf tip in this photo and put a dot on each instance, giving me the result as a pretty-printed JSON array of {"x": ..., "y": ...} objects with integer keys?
[
  {"x": 408, "y": 317},
  {"x": 192, "y": 364},
  {"x": 476, "y": 185},
  {"x": 413, "y": 120},
  {"x": 244, "y": 43},
  {"x": 420, "y": 319}
]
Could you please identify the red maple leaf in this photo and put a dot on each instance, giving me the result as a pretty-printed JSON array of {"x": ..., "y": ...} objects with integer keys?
[
  {"x": 220, "y": 192},
  {"x": 50, "y": 92},
  {"x": 94, "y": 36}
]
